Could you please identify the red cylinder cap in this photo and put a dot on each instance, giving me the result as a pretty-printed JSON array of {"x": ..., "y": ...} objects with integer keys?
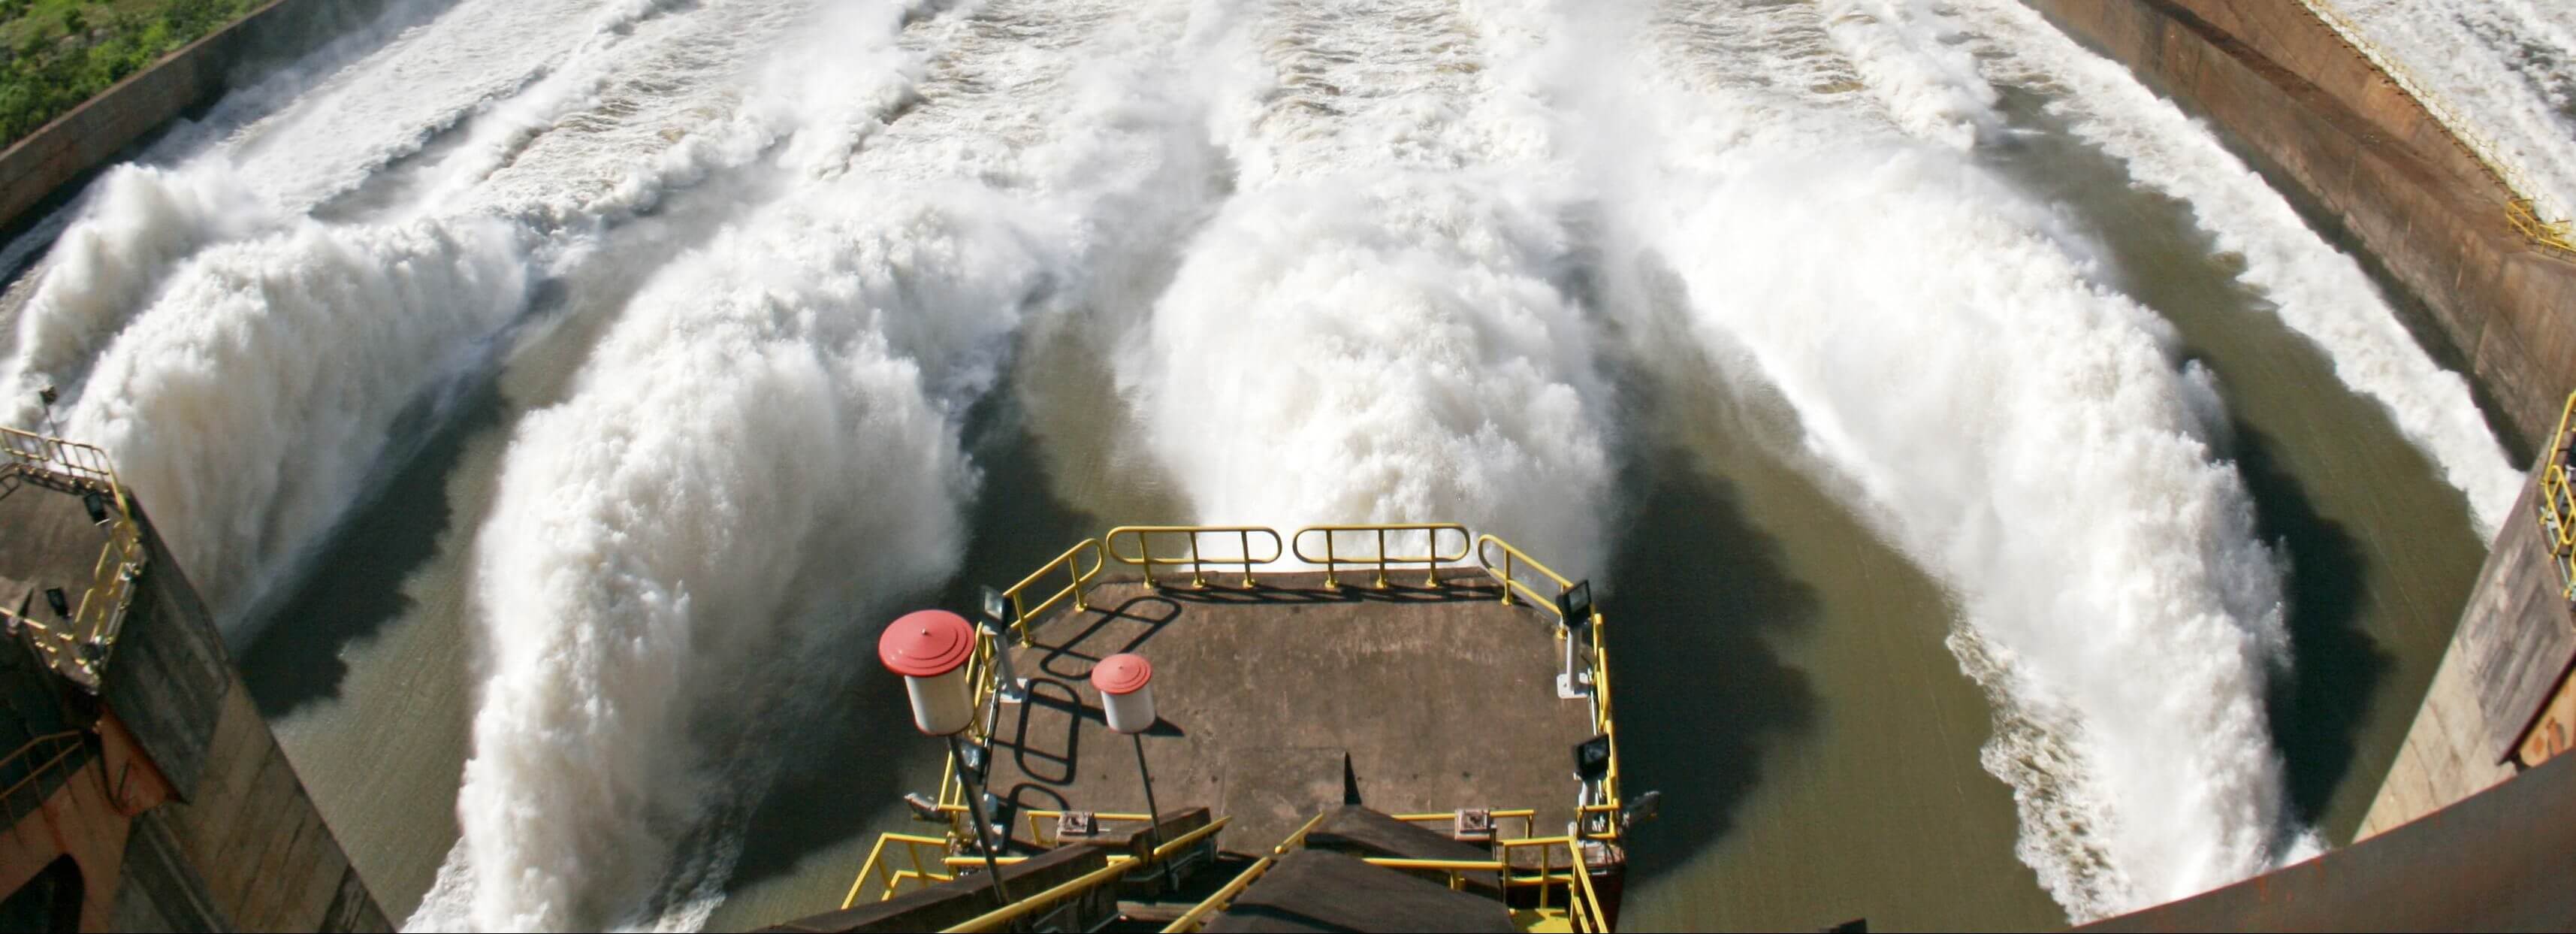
[
  {"x": 926, "y": 643},
  {"x": 1122, "y": 673}
]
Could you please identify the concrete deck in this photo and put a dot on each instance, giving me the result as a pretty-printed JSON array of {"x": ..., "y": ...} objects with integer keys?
[
  {"x": 1441, "y": 699},
  {"x": 46, "y": 540}
]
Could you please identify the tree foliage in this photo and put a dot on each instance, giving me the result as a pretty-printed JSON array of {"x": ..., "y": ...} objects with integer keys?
[{"x": 59, "y": 53}]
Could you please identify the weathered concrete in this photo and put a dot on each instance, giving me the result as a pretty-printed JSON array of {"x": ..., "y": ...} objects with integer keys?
[
  {"x": 1440, "y": 699},
  {"x": 35, "y": 170},
  {"x": 188, "y": 815},
  {"x": 2365, "y": 160}
]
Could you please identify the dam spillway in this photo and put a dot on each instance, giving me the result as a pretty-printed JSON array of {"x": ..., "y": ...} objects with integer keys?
[{"x": 1985, "y": 452}]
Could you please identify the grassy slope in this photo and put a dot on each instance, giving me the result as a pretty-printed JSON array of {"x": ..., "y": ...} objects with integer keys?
[{"x": 55, "y": 54}]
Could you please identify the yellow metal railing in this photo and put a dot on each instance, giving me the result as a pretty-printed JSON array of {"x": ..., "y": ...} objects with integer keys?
[
  {"x": 2557, "y": 507},
  {"x": 1197, "y": 916},
  {"x": 2521, "y": 209},
  {"x": 1188, "y": 551},
  {"x": 890, "y": 881},
  {"x": 1431, "y": 557},
  {"x": 1077, "y": 580},
  {"x": 1516, "y": 569},
  {"x": 1523, "y": 578},
  {"x": 1556, "y": 892},
  {"x": 1119, "y": 866},
  {"x": 1511, "y": 570},
  {"x": 77, "y": 646}
]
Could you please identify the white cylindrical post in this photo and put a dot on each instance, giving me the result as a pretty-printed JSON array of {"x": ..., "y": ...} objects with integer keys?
[
  {"x": 1126, "y": 692},
  {"x": 930, "y": 648}
]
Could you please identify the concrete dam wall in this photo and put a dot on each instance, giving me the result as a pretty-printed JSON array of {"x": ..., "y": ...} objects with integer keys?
[
  {"x": 45, "y": 166},
  {"x": 2365, "y": 159}
]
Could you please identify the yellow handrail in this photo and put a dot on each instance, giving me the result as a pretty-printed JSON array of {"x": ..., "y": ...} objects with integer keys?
[
  {"x": 1431, "y": 558},
  {"x": 1197, "y": 558},
  {"x": 2521, "y": 209},
  {"x": 100, "y": 615},
  {"x": 1216, "y": 901},
  {"x": 2557, "y": 507},
  {"x": 1514, "y": 558},
  {"x": 995, "y": 919},
  {"x": 877, "y": 867},
  {"x": 1020, "y": 614}
]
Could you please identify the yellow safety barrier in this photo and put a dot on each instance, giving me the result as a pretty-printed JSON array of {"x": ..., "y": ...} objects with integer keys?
[
  {"x": 891, "y": 880},
  {"x": 1119, "y": 866},
  {"x": 2557, "y": 507},
  {"x": 1511, "y": 568},
  {"x": 78, "y": 646},
  {"x": 1197, "y": 916},
  {"x": 1188, "y": 552},
  {"x": 1069, "y": 560},
  {"x": 1523, "y": 578},
  {"x": 1431, "y": 557},
  {"x": 2521, "y": 209},
  {"x": 1561, "y": 893},
  {"x": 1508, "y": 570}
]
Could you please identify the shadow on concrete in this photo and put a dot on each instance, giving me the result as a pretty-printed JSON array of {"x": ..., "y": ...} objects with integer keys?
[
  {"x": 1702, "y": 594},
  {"x": 2317, "y": 709}
]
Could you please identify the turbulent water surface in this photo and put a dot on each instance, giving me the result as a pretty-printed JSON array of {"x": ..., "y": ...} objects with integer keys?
[{"x": 2014, "y": 512}]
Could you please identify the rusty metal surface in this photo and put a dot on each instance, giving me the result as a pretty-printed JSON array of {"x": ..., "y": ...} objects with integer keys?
[{"x": 2503, "y": 860}]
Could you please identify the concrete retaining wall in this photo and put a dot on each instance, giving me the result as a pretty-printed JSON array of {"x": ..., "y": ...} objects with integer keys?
[
  {"x": 37, "y": 170},
  {"x": 241, "y": 845}
]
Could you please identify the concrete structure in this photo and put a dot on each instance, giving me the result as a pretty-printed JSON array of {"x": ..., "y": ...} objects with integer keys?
[
  {"x": 1273, "y": 700},
  {"x": 160, "y": 801},
  {"x": 2366, "y": 160},
  {"x": 41, "y": 168}
]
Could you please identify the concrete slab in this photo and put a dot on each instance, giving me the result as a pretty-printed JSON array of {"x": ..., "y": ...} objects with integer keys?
[{"x": 1441, "y": 699}]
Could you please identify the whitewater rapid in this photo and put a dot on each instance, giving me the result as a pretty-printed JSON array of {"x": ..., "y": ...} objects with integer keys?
[
  {"x": 1360, "y": 260},
  {"x": 2506, "y": 67}
]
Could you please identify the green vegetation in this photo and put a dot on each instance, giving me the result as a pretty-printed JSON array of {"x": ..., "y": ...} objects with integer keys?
[{"x": 54, "y": 54}]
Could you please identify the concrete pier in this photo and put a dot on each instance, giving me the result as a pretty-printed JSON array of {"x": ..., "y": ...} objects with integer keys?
[{"x": 144, "y": 792}]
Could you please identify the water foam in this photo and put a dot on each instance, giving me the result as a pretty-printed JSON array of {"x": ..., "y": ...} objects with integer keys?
[
  {"x": 763, "y": 452},
  {"x": 246, "y": 407},
  {"x": 2022, "y": 431},
  {"x": 2028, "y": 436},
  {"x": 1373, "y": 328},
  {"x": 2506, "y": 66},
  {"x": 2319, "y": 292}
]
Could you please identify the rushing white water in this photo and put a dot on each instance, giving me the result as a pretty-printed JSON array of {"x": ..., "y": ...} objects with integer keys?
[
  {"x": 2316, "y": 290},
  {"x": 1357, "y": 254},
  {"x": 1374, "y": 327},
  {"x": 763, "y": 451},
  {"x": 2024, "y": 432},
  {"x": 2508, "y": 67}
]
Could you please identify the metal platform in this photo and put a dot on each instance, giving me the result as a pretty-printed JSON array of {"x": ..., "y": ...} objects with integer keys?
[{"x": 1287, "y": 698}]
